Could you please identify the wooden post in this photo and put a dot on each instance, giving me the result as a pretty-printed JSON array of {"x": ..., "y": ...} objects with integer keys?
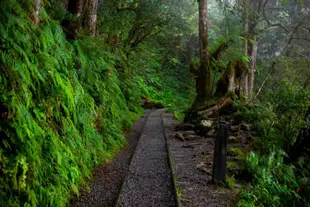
[{"x": 220, "y": 154}]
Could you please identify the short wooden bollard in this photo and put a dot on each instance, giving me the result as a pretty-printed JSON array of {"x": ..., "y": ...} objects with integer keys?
[{"x": 220, "y": 155}]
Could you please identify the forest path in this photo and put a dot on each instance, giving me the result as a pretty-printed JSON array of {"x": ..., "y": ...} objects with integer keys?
[
  {"x": 139, "y": 175},
  {"x": 149, "y": 180},
  {"x": 104, "y": 187}
]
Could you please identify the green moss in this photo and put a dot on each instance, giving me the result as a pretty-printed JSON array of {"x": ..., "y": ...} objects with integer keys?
[
  {"x": 235, "y": 152},
  {"x": 229, "y": 183},
  {"x": 63, "y": 108}
]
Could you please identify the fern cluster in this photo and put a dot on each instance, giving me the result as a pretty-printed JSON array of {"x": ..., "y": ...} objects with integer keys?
[
  {"x": 278, "y": 119},
  {"x": 274, "y": 183},
  {"x": 62, "y": 110}
]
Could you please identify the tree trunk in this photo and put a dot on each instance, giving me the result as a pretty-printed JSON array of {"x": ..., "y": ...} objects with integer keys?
[
  {"x": 91, "y": 18},
  {"x": 71, "y": 27},
  {"x": 37, "y": 11},
  {"x": 76, "y": 7},
  {"x": 203, "y": 79},
  {"x": 246, "y": 29},
  {"x": 253, "y": 52}
]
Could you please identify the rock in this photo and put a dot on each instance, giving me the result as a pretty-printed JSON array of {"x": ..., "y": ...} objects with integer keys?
[
  {"x": 179, "y": 136},
  {"x": 201, "y": 164},
  {"x": 206, "y": 123},
  {"x": 188, "y": 146},
  {"x": 246, "y": 127},
  {"x": 234, "y": 128},
  {"x": 211, "y": 133},
  {"x": 205, "y": 126},
  {"x": 233, "y": 139},
  {"x": 203, "y": 168},
  {"x": 185, "y": 127},
  {"x": 210, "y": 142},
  {"x": 189, "y": 133},
  {"x": 191, "y": 137},
  {"x": 192, "y": 145}
]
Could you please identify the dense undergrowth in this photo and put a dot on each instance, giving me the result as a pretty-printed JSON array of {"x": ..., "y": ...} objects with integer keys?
[
  {"x": 278, "y": 118},
  {"x": 65, "y": 104},
  {"x": 175, "y": 93},
  {"x": 62, "y": 109}
]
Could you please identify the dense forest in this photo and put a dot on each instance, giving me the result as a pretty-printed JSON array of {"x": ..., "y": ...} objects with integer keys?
[{"x": 75, "y": 74}]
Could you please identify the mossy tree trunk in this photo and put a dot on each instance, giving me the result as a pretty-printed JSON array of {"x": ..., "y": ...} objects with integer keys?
[
  {"x": 76, "y": 8},
  {"x": 231, "y": 82},
  {"x": 85, "y": 12},
  {"x": 203, "y": 79}
]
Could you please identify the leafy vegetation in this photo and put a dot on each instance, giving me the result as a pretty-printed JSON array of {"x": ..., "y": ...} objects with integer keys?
[
  {"x": 62, "y": 110},
  {"x": 278, "y": 118},
  {"x": 274, "y": 184},
  {"x": 64, "y": 104},
  {"x": 73, "y": 75}
]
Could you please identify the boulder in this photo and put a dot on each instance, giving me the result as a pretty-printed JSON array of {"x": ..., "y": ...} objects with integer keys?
[
  {"x": 234, "y": 128},
  {"x": 205, "y": 126},
  {"x": 246, "y": 127},
  {"x": 179, "y": 136},
  {"x": 191, "y": 137},
  {"x": 211, "y": 133},
  {"x": 185, "y": 127},
  {"x": 233, "y": 139},
  {"x": 188, "y": 133}
]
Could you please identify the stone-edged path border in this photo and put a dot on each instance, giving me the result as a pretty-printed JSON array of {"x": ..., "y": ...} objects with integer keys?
[
  {"x": 102, "y": 190},
  {"x": 192, "y": 168},
  {"x": 149, "y": 182}
]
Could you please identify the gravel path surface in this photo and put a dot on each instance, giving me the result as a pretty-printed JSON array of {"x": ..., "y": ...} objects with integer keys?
[
  {"x": 192, "y": 162},
  {"x": 104, "y": 187},
  {"x": 149, "y": 181}
]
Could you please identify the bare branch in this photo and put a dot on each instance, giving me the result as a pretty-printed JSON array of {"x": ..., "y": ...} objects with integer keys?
[{"x": 269, "y": 22}]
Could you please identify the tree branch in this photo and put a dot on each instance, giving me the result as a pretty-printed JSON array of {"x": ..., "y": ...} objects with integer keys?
[{"x": 269, "y": 22}]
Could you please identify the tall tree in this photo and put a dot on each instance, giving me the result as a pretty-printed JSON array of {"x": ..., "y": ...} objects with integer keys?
[
  {"x": 37, "y": 11},
  {"x": 85, "y": 13},
  {"x": 245, "y": 88},
  {"x": 203, "y": 80},
  {"x": 91, "y": 17},
  {"x": 76, "y": 8},
  {"x": 252, "y": 11}
]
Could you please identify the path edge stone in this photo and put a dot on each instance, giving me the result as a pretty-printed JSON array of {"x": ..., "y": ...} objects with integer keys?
[
  {"x": 177, "y": 194},
  {"x": 132, "y": 159}
]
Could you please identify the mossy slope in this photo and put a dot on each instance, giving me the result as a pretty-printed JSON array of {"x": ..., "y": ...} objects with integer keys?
[{"x": 61, "y": 109}]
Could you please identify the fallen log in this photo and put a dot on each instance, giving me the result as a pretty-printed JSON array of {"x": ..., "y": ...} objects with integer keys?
[{"x": 210, "y": 111}]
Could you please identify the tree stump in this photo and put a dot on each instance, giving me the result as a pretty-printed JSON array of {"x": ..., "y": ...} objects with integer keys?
[{"x": 220, "y": 154}]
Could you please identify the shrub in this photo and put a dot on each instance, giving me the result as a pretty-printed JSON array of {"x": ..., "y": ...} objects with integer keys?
[{"x": 274, "y": 183}]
